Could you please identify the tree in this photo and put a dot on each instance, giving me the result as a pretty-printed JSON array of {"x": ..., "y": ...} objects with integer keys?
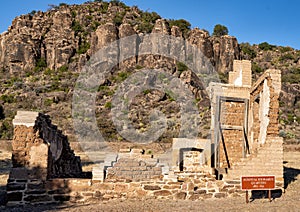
[{"x": 220, "y": 30}]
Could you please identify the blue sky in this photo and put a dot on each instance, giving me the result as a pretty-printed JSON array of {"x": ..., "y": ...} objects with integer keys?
[{"x": 273, "y": 21}]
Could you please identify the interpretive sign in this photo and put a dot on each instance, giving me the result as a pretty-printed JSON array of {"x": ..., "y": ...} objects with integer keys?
[{"x": 258, "y": 182}]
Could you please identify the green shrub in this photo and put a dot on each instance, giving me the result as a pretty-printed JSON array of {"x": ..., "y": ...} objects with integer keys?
[
  {"x": 48, "y": 71},
  {"x": 106, "y": 90},
  {"x": 121, "y": 76},
  {"x": 108, "y": 105},
  {"x": 117, "y": 3},
  {"x": 32, "y": 12},
  {"x": 95, "y": 25},
  {"x": 139, "y": 67},
  {"x": 73, "y": 13},
  {"x": 181, "y": 67},
  {"x": 8, "y": 98},
  {"x": 291, "y": 78},
  {"x": 256, "y": 68},
  {"x": 147, "y": 21},
  {"x": 265, "y": 46},
  {"x": 287, "y": 56},
  {"x": 247, "y": 49},
  {"x": 104, "y": 7},
  {"x": 62, "y": 4},
  {"x": 170, "y": 95},
  {"x": 77, "y": 27},
  {"x": 89, "y": 17},
  {"x": 146, "y": 91},
  {"x": 41, "y": 63},
  {"x": 290, "y": 135},
  {"x": 28, "y": 74},
  {"x": 48, "y": 102},
  {"x": 118, "y": 19},
  {"x": 83, "y": 48},
  {"x": 183, "y": 25},
  {"x": 290, "y": 117},
  {"x": 223, "y": 77},
  {"x": 220, "y": 30},
  {"x": 63, "y": 68},
  {"x": 284, "y": 49},
  {"x": 6, "y": 130}
]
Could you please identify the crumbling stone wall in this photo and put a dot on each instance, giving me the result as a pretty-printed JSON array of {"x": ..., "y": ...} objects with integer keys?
[
  {"x": 38, "y": 143},
  {"x": 264, "y": 101},
  {"x": 39, "y": 152},
  {"x": 241, "y": 73},
  {"x": 62, "y": 160},
  {"x": 245, "y": 117}
]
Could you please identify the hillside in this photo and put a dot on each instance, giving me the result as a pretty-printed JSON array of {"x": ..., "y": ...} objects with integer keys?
[{"x": 42, "y": 54}]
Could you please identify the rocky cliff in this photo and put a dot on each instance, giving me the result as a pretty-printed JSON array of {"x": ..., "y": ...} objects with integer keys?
[
  {"x": 64, "y": 35},
  {"x": 42, "y": 54}
]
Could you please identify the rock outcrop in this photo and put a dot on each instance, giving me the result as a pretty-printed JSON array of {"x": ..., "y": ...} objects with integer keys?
[{"x": 60, "y": 36}]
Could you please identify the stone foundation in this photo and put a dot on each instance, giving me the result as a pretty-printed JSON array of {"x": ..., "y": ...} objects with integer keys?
[{"x": 86, "y": 190}]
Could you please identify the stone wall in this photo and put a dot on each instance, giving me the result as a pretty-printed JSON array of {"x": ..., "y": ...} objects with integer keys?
[
  {"x": 234, "y": 142},
  {"x": 265, "y": 92},
  {"x": 241, "y": 74},
  {"x": 195, "y": 187},
  {"x": 195, "y": 152},
  {"x": 266, "y": 160},
  {"x": 245, "y": 118},
  {"x": 39, "y": 152}
]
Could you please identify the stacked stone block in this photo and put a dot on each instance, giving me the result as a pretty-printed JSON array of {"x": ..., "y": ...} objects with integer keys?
[
  {"x": 266, "y": 160},
  {"x": 262, "y": 120},
  {"x": 241, "y": 74},
  {"x": 133, "y": 165},
  {"x": 234, "y": 146},
  {"x": 39, "y": 152}
]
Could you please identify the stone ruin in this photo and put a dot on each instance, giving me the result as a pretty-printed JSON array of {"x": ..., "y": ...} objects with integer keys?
[
  {"x": 39, "y": 152},
  {"x": 244, "y": 141}
]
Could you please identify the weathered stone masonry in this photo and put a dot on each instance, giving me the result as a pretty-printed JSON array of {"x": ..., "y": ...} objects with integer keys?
[
  {"x": 245, "y": 124},
  {"x": 244, "y": 141},
  {"x": 40, "y": 152}
]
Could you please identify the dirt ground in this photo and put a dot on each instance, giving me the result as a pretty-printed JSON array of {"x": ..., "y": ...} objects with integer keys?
[{"x": 288, "y": 201}]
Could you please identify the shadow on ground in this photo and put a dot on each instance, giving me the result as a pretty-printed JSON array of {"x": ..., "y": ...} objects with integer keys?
[
  {"x": 277, "y": 193},
  {"x": 290, "y": 175},
  {"x": 38, "y": 208}
]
